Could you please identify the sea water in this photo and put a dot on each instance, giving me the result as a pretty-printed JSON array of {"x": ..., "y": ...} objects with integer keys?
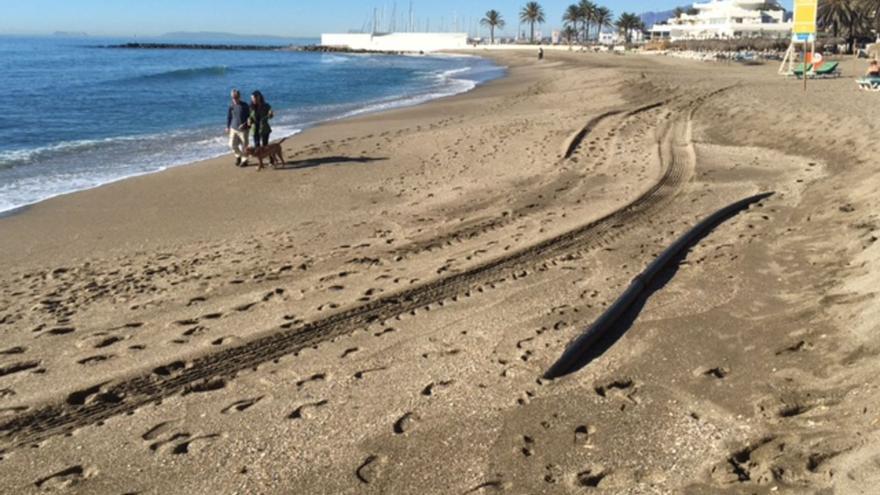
[{"x": 77, "y": 114}]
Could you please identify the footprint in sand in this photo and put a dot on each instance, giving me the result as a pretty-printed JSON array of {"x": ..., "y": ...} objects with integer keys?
[
  {"x": 306, "y": 411},
  {"x": 371, "y": 469},
  {"x": 363, "y": 373},
  {"x": 583, "y": 433},
  {"x": 490, "y": 486},
  {"x": 64, "y": 479},
  {"x": 170, "y": 369},
  {"x": 591, "y": 477},
  {"x": 318, "y": 377},
  {"x": 432, "y": 387},
  {"x": 18, "y": 367},
  {"x": 209, "y": 385},
  {"x": 528, "y": 448},
  {"x": 161, "y": 429},
  {"x": 348, "y": 352},
  {"x": 181, "y": 443},
  {"x": 93, "y": 394},
  {"x": 93, "y": 360},
  {"x": 405, "y": 423},
  {"x": 241, "y": 406}
]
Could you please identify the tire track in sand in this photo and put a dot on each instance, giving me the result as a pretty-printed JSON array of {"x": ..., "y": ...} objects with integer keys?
[
  {"x": 213, "y": 370},
  {"x": 483, "y": 227}
]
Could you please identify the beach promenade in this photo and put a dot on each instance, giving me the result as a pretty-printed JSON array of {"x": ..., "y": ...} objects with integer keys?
[{"x": 376, "y": 316}]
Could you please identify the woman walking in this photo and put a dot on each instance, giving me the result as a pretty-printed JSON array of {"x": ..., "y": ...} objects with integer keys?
[{"x": 261, "y": 113}]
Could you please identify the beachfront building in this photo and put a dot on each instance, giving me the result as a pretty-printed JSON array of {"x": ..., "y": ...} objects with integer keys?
[
  {"x": 396, "y": 42},
  {"x": 723, "y": 19}
]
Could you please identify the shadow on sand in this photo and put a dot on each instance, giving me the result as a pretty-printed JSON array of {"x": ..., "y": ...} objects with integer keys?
[
  {"x": 628, "y": 319},
  {"x": 328, "y": 160}
]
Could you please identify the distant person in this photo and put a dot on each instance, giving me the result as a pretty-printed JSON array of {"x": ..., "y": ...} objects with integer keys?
[
  {"x": 540, "y": 54},
  {"x": 261, "y": 113},
  {"x": 873, "y": 69},
  {"x": 237, "y": 127}
]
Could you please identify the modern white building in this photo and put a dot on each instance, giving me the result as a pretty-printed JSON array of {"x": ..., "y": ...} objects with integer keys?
[
  {"x": 722, "y": 19},
  {"x": 397, "y": 42}
]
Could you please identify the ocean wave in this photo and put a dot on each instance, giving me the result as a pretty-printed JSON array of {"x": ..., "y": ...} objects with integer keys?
[
  {"x": 148, "y": 154},
  {"x": 189, "y": 73},
  {"x": 333, "y": 59},
  {"x": 452, "y": 72},
  {"x": 36, "y": 174},
  {"x": 12, "y": 158},
  {"x": 451, "y": 88}
]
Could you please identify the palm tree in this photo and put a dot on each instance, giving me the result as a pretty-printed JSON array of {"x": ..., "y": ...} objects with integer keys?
[
  {"x": 532, "y": 13},
  {"x": 627, "y": 23},
  {"x": 570, "y": 34},
  {"x": 771, "y": 5},
  {"x": 588, "y": 11},
  {"x": 572, "y": 17},
  {"x": 835, "y": 14},
  {"x": 871, "y": 10},
  {"x": 603, "y": 19},
  {"x": 494, "y": 20},
  {"x": 678, "y": 12}
]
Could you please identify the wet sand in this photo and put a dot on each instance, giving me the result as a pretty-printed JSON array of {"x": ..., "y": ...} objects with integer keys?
[{"x": 376, "y": 317}]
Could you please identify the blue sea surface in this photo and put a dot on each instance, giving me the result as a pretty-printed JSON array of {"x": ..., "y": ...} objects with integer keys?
[{"x": 78, "y": 115}]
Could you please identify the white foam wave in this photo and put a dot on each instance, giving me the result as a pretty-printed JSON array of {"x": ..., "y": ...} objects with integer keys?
[{"x": 117, "y": 158}]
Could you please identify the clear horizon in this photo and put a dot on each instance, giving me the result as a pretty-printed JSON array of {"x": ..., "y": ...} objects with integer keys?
[{"x": 306, "y": 19}]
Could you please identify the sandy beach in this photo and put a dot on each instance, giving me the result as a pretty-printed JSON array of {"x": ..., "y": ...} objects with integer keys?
[{"x": 376, "y": 316}]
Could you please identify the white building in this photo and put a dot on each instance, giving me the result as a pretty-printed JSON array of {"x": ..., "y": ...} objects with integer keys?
[
  {"x": 720, "y": 19},
  {"x": 397, "y": 42}
]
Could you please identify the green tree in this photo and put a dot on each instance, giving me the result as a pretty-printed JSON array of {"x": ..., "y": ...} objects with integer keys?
[
  {"x": 570, "y": 34},
  {"x": 627, "y": 23},
  {"x": 572, "y": 17},
  {"x": 493, "y": 20},
  {"x": 604, "y": 18},
  {"x": 835, "y": 14},
  {"x": 588, "y": 12},
  {"x": 532, "y": 14},
  {"x": 771, "y": 5}
]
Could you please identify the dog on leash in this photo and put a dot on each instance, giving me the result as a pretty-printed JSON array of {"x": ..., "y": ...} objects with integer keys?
[{"x": 272, "y": 151}]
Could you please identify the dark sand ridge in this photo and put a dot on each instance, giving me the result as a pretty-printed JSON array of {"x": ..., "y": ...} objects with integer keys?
[{"x": 748, "y": 371}]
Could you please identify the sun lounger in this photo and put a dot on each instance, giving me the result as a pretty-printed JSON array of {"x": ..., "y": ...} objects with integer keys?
[
  {"x": 800, "y": 69},
  {"x": 869, "y": 83},
  {"x": 826, "y": 70}
]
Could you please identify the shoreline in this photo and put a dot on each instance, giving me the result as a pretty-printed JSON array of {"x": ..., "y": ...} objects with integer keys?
[
  {"x": 366, "y": 110},
  {"x": 394, "y": 295}
]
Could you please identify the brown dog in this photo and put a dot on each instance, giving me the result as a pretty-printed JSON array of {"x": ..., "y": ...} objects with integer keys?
[{"x": 272, "y": 151}]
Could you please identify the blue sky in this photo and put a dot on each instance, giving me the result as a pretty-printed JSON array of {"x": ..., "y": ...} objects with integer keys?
[{"x": 294, "y": 18}]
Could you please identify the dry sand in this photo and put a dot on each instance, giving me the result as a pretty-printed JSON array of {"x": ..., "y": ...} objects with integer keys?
[{"x": 376, "y": 317}]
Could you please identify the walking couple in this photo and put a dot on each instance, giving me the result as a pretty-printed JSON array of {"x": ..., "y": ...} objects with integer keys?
[{"x": 242, "y": 120}]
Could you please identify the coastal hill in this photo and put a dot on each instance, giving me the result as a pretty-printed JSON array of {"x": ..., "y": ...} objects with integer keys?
[{"x": 651, "y": 18}]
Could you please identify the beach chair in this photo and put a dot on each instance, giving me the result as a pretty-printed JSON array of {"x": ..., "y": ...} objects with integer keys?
[
  {"x": 801, "y": 69},
  {"x": 869, "y": 83},
  {"x": 826, "y": 70}
]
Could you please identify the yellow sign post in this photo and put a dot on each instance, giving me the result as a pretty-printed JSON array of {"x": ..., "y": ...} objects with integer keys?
[{"x": 805, "y": 13}]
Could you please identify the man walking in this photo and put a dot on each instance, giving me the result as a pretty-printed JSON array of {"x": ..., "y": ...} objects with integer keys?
[{"x": 237, "y": 127}]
